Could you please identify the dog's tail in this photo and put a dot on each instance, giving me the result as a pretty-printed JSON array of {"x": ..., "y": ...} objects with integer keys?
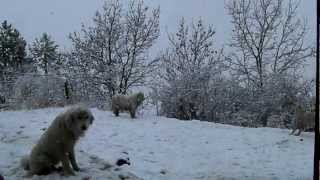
[{"x": 25, "y": 162}]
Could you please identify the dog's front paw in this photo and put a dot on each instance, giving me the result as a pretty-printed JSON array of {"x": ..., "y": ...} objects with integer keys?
[
  {"x": 68, "y": 173},
  {"x": 76, "y": 168},
  {"x": 28, "y": 175}
]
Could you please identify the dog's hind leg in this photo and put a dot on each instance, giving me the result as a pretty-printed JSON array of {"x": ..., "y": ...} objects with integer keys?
[
  {"x": 40, "y": 166},
  {"x": 299, "y": 132},
  {"x": 293, "y": 131},
  {"x": 116, "y": 112},
  {"x": 133, "y": 114}
]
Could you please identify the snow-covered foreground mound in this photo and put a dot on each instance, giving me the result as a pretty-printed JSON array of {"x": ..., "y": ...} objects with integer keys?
[{"x": 163, "y": 148}]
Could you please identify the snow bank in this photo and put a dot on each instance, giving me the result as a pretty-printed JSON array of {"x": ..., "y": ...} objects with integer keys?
[{"x": 163, "y": 148}]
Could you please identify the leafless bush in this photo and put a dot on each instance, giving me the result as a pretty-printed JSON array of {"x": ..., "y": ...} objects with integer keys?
[{"x": 34, "y": 91}]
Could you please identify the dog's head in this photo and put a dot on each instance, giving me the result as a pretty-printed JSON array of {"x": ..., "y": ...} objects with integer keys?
[
  {"x": 79, "y": 119},
  {"x": 140, "y": 98},
  {"x": 299, "y": 109}
]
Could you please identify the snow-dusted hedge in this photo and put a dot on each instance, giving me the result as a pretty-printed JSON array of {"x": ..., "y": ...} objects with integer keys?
[{"x": 34, "y": 91}]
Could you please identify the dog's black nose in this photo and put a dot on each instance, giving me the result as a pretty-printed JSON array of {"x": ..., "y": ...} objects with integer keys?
[{"x": 84, "y": 128}]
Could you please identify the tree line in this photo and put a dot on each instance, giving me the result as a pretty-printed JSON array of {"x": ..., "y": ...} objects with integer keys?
[{"x": 255, "y": 80}]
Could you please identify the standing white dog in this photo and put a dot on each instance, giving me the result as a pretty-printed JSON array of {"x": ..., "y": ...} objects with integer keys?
[
  {"x": 127, "y": 103},
  {"x": 303, "y": 120}
]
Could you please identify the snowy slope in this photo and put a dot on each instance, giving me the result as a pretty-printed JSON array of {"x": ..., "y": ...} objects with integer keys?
[{"x": 163, "y": 148}]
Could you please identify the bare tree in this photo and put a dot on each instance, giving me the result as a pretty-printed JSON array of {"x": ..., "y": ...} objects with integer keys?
[
  {"x": 140, "y": 32},
  {"x": 191, "y": 66},
  {"x": 94, "y": 51},
  {"x": 113, "y": 52},
  {"x": 268, "y": 38}
]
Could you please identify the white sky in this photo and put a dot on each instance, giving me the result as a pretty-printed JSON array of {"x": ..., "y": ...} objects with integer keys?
[{"x": 60, "y": 17}]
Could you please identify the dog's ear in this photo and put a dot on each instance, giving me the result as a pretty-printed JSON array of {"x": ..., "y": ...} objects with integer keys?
[
  {"x": 91, "y": 118},
  {"x": 70, "y": 120}
]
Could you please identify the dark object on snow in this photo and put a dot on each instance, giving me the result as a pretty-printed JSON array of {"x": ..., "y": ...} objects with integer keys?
[
  {"x": 124, "y": 159},
  {"x": 1, "y": 177},
  {"x": 163, "y": 171},
  {"x": 121, "y": 162}
]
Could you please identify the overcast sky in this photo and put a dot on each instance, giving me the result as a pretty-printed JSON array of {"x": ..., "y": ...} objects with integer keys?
[{"x": 60, "y": 17}]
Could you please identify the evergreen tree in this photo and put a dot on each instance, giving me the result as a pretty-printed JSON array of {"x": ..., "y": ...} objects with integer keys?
[
  {"x": 44, "y": 52},
  {"x": 12, "y": 47},
  {"x": 12, "y": 57}
]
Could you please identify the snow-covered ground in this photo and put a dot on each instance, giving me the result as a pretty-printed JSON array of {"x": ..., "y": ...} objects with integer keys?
[{"x": 163, "y": 148}]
